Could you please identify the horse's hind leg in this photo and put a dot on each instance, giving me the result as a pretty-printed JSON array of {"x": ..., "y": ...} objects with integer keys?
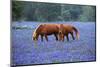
[
  {"x": 46, "y": 37},
  {"x": 72, "y": 35},
  {"x": 56, "y": 36}
]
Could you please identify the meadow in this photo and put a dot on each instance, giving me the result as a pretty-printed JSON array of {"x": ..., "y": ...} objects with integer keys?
[{"x": 25, "y": 51}]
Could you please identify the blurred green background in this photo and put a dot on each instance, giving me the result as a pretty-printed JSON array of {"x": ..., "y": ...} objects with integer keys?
[{"x": 52, "y": 12}]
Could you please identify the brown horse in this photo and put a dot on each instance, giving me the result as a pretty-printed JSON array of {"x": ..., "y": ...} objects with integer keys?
[
  {"x": 65, "y": 29},
  {"x": 46, "y": 29}
]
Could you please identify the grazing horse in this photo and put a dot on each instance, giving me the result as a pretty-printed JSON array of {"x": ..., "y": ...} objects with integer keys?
[
  {"x": 46, "y": 29},
  {"x": 65, "y": 29}
]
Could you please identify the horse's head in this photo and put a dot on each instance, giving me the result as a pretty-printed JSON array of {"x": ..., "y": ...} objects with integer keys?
[
  {"x": 35, "y": 37},
  {"x": 60, "y": 33},
  {"x": 36, "y": 32}
]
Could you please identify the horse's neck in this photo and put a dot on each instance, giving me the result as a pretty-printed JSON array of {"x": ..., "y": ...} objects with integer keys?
[{"x": 38, "y": 29}]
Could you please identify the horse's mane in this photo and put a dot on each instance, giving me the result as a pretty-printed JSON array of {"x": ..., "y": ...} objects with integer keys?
[{"x": 34, "y": 33}]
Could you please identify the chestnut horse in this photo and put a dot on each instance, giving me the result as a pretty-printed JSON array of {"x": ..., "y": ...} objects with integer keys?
[
  {"x": 66, "y": 29},
  {"x": 46, "y": 29}
]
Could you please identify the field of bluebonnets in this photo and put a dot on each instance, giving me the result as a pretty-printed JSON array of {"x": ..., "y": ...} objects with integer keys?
[{"x": 26, "y": 51}]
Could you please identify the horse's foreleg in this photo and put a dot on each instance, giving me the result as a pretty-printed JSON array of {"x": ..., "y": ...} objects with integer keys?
[
  {"x": 56, "y": 36},
  {"x": 72, "y": 35},
  {"x": 41, "y": 37},
  {"x": 63, "y": 38},
  {"x": 67, "y": 37},
  {"x": 46, "y": 37}
]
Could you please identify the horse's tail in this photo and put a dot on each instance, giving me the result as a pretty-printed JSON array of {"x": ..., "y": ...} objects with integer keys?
[{"x": 77, "y": 33}]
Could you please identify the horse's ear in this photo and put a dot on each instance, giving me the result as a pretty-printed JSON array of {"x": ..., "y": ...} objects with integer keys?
[{"x": 61, "y": 24}]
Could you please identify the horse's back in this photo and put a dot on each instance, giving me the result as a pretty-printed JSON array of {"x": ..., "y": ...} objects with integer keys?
[
  {"x": 49, "y": 28},
  {"x": 66, "y": 28}
]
